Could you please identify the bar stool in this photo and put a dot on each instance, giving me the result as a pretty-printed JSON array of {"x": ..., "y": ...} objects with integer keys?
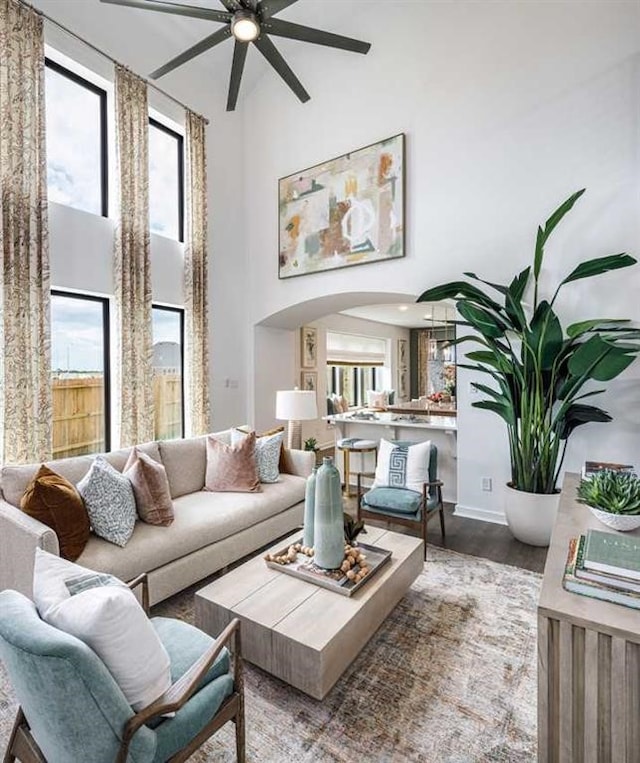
[{"x": 349, "y": 445}]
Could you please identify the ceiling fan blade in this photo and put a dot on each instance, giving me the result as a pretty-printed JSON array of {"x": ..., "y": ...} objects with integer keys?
[
  {"x": 239, "y": 56},
  {"x": 273, "y": 56},
  {"x": 232, "y": 5},
  {"x": 318, "y": 36},
  {"x": 269, "y": 8},
  {"x": 200, "y": 47},
  {"x": 180, "y": 10}
]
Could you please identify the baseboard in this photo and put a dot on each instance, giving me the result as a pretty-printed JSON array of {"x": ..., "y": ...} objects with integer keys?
[{"x": 484, "y": 515}]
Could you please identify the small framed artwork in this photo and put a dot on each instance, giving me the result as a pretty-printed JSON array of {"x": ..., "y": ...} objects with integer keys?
[
  {"x": 402, "y": 383},
  {"x": 402, "y": 353},
  {"x": 309, "y": 381},
  {"x": 309, "y": 347}
]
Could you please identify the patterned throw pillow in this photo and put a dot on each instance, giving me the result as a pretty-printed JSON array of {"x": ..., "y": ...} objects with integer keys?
[
  {"x": 268, "y": 449},
  {"x": 110, "y": 502},
  {"x": 405, "y": 466}
]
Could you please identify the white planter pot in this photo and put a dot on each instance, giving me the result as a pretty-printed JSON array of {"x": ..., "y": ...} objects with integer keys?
[
  {"x": 531, "y": 516},
  {"x": 621, "y": 522}
]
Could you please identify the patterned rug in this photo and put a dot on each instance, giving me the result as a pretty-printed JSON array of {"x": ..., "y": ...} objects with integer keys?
[{"x": 450, "y": 677}]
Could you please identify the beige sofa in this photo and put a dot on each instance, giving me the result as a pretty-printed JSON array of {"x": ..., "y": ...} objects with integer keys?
[{"x": 210, "y": 530}]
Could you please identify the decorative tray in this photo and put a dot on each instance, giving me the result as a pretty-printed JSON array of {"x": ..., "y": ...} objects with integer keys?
[{"x": 302, "y": 567}]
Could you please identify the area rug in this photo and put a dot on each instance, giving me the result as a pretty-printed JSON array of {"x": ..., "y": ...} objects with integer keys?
[{"x": 450, "y": 677}]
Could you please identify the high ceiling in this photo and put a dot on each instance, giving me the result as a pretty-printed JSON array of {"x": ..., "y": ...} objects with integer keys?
[
  {"x": 144, "y": 40},
  {"x": 406, "y": 315}
]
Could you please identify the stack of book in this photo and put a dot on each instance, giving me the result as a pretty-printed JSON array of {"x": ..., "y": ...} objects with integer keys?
[
  {"x": 605, "y": 566},
  {"x": 589, "y": 468}
]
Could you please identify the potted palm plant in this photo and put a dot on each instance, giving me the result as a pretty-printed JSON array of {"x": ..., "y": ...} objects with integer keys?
[{"x": 540, "y": 372}]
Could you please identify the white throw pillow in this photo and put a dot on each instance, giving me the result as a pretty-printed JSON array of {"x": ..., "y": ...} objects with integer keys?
[
  {"x": 377, "y": 399},
  {"x": 109, "y": 619},
  {"x": 110, "y": 502},
  {"x": 268, "y": 450},
  {"x": 402, "y": 465}
]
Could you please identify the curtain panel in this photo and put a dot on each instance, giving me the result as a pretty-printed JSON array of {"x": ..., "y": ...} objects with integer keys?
[
  {"x": 132, "y": 263},
  {"x": 196, "y": 279},
  {"x": 25, "y": 351}
]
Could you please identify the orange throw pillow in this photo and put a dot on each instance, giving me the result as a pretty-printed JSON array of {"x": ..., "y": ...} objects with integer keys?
[
  {"x": 55, "y": 502},
  {"x": 232, "y": 468}
]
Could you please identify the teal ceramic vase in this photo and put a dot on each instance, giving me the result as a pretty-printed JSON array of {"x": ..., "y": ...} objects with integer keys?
[
  {"x": 309, "y": 509},
  {"x": 328, "y": 533}
]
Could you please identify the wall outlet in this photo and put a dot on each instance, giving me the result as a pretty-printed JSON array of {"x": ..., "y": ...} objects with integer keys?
[{"x": 486, "y": 484}]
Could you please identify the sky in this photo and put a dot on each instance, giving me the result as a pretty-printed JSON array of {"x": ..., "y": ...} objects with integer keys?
[
  {"x": 76, "y": 330},
  {"x": 73, "y": 156}
]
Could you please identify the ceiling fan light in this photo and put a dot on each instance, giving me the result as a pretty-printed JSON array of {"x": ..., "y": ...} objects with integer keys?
[{"x": 245, "y": 27}]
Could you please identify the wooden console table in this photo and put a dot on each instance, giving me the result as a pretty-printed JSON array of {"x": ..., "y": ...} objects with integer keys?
[{"x": 588, "y": 660}]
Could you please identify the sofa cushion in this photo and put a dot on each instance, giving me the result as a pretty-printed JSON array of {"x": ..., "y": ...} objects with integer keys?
[
  {"x": 150, "y": 488},
  {"x": 201, "y": 518},
  {"x": 111, "y": 505},
  {"x": 55, "y": 502},
  {"x": 232, "y": 468},
  {"x": 186, "y": 461},
  {"x": 15, "y": 478}
]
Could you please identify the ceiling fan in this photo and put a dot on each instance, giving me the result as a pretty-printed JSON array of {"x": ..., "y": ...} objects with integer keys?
[{"x": 247, "y": 21}]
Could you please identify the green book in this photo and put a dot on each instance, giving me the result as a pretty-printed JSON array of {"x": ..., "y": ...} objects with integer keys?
[
  {"x": 571, "y": 582},
  {"x": 614, "y": 553}
]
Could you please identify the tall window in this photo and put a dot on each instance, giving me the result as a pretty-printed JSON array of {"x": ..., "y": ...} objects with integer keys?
[
  {"x": 80, "y": 374},
  {"x": 76, "y": 118},
  {"x": 166, "y": 191},
  {"x": 168, "y": 371},
  {"x": 353, "y": 381}
]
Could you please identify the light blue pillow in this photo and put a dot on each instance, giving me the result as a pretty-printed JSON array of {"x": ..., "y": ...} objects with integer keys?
[{"x": 110, "y": 502}]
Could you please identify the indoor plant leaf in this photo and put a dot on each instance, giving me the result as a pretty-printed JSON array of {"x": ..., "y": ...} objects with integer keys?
[
  {"x": 578, "y": 414},
  {"x": 598, "y": 266}
]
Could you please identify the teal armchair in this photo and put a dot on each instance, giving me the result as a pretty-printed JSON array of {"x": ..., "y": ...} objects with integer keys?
[
  {"x": 403, "y": 506},
  {"x": 72, "y": 711}
]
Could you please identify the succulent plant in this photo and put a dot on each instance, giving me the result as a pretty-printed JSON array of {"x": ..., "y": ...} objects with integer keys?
[
  {"x": 611, "y": 491},
  {"x": 311, "y": 444},
  {"x": 352, "y": 528}
]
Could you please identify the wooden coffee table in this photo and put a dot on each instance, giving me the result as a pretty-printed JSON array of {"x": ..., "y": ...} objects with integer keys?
[{"x": 302, "y": 633}]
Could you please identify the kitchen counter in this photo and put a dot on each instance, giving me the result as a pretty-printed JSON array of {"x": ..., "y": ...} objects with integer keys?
[{"x": 441, "y": 430}]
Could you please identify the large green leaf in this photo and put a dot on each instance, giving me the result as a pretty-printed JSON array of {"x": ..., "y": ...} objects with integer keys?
[
  {"x": 598, "y": 266},
  {"x": 497, "y": 286},
  {"x": 549, "y": 226},
  {"x": 545, "y": 337},
  {"x": 456, "y": 290},
  {"x": 502, "y": 409},
  {"x": 577, "y": 415},
  {"x": 584, "y": 327},
  {"x": 599, "y": 360},
  {"x": 482, "y": 320},
  {"x": 513, "y": 298}
]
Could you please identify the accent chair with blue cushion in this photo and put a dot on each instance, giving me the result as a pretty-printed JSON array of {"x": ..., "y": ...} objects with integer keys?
[
  {"x": 72, "y": 710},
  {"x": 402, "y": 505}
]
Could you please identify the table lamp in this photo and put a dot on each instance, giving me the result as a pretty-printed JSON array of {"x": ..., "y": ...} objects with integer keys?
[{"x": 294, "y": 406}]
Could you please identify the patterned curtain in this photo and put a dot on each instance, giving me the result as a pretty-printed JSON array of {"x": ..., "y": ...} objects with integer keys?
[
  {"x": 25, "y": 352},
  {"x": 196, "y": 279},
  {"x": 132, "y": 263}
]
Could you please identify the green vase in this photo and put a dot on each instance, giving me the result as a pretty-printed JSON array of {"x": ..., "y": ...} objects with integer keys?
[
  {"x": 309, "y": 508},
  {"x": 328, "y": 532}
]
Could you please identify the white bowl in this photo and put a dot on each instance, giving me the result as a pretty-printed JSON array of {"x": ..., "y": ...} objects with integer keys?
[{"x": 622, "y": 522}]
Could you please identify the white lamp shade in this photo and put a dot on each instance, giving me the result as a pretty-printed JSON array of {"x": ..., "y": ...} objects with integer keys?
[{"x": 296, "y": 405}]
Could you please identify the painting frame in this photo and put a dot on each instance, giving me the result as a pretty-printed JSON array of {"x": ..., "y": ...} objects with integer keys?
[
  {"x": 402, "y": 353},
  {"x": 402, "y": 390},
  {"x": 308, "y": 347},
  {"x": 364, "y": 253},
  {"x": 309, "y": 381}
]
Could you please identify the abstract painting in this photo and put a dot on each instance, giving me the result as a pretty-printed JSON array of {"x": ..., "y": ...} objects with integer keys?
[{"x": 347, "y": 211}]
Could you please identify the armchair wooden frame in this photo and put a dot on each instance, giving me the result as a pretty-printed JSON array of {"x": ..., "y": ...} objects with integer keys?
[
  {"x": 417, "y": 524},
  {"x": 22, "y": 746}
]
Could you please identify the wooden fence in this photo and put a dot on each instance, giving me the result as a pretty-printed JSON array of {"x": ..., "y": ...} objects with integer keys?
[{"x": 78, "y": 413}]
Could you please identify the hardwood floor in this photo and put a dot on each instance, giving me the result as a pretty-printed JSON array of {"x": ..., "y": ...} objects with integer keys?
[{"x": 485, "y": 539}]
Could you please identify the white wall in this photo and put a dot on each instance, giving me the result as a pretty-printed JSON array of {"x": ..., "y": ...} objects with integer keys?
[{"x": 508, "y": 108}]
